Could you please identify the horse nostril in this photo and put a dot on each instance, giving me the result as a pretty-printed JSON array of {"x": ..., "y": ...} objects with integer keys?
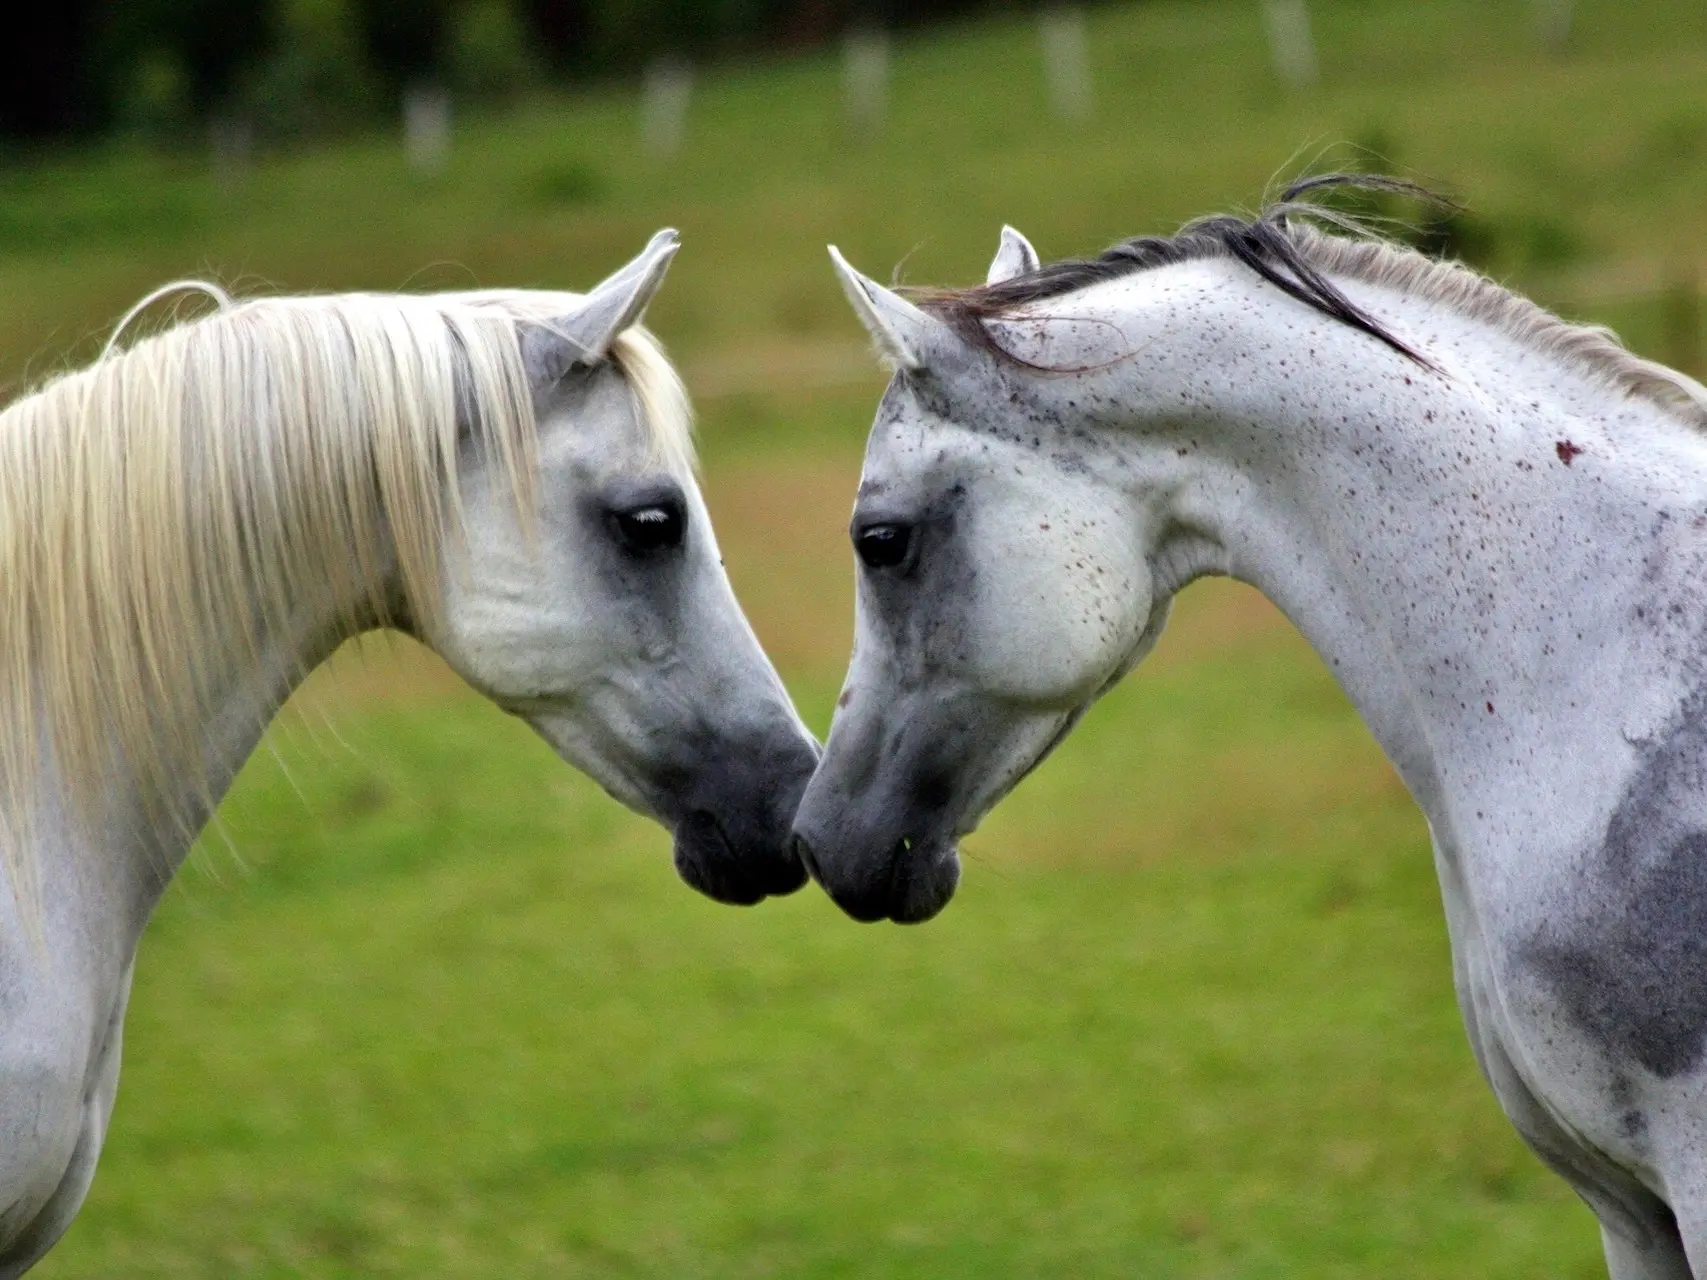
[{"x": 803, "y": 851}]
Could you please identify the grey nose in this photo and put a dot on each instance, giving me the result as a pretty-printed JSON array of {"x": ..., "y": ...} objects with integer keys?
[{"x": 905, "y": 884}]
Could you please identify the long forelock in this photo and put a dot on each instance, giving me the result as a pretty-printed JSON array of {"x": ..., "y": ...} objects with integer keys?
[
  {"x": 660, "y": 397},
  {"x": 167, "y": 507}
]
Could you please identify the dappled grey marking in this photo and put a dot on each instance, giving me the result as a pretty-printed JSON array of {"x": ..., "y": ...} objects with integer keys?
[{"x": 1634, "y": 973}]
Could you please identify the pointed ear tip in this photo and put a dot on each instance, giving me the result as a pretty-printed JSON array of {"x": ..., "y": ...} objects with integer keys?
[
  {"x": 845, "y": 269},
  {"x": 659, "y": 249},
  {"x": 657, "y": 261}
]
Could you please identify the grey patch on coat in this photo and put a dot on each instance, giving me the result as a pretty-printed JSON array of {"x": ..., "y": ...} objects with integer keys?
[{"x": 1631, "y": 970}]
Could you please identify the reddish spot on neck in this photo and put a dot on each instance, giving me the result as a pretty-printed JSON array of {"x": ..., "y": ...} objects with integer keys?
[{"x": 1567, "y": 451}]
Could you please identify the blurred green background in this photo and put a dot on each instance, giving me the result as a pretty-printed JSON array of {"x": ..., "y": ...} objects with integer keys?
[{"x": 429, "y": 1004}]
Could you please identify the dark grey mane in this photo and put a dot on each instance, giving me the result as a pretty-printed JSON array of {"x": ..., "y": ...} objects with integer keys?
[{"x": 1267, "y": 244}]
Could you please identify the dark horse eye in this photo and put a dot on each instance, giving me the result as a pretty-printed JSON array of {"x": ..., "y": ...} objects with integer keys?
[
  {"x": 649, "y": 528},
  {"x": 883, "y": 546}
]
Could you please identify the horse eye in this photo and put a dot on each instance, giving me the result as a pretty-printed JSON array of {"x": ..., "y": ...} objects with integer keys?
[
  {"x": 649, "y": 528},
  {"x": 883, "y": 546}
]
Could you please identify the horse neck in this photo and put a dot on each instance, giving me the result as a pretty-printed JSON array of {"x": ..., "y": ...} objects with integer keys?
[
  {"x": 103, "y": 874},
  {"x": 1491, "y": 558}
]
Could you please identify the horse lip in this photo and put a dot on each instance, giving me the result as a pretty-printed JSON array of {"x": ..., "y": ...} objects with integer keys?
[
  {"x": 708, "y": 860},
  {"x": 914, "y": 883},
  {"x": 921, "y": 886}
]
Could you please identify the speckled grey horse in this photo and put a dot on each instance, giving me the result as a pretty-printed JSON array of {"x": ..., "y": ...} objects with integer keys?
[
  {"x": 191, "y": 525},
  {"x": 1491, "y": 524}
]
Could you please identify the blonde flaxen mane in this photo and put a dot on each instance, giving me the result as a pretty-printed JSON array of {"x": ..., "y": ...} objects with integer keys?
[{"x": 165, "y": 510}]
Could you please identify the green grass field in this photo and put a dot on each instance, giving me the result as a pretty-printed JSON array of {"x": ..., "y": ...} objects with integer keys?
[{"x": 431, "y": 1005}]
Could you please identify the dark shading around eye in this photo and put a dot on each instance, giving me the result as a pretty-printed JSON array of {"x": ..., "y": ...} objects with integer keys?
[
  {"x": 883, "y": 546},
  {"x": 657, "y": 527}
]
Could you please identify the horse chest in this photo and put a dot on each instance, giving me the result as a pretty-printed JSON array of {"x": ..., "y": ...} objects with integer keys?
[
  {"x": 1623, "y": 955},
  {"x": 1585, "y": 991},
  {"x": 41, "y": 1103}
]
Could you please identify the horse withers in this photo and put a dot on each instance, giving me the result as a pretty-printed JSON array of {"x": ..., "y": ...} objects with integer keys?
[
  {"x": 189, "y": 526},
  {"x": 1491, "y": 524}
]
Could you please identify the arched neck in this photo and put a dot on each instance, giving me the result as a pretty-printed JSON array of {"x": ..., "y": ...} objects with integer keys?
[{"x": 1502, "y": 562}]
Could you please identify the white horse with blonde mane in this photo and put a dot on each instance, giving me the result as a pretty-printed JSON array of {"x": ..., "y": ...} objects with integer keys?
[
  {"x": 1490, "y": 523},
  {"x": 190, "y": 525}
]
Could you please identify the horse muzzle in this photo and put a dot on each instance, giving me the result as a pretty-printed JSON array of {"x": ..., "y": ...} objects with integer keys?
[
  {"x": 905, "y": 879},
  {"x": 733, "y": 840},
  {"x": 730, "y": 871}
]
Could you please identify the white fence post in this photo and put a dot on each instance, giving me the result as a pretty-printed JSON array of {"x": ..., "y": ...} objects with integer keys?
[
  {"x": 232, "y": 140},
  {"x": 1290, "y": 41},
  {"x": 664, "y": 104},
  {"x": 1553, "y": 24},
  {"x": 1066, "y": 61},
  {"x": 865, "y": 78},
  {"x": 426, "y": 128}
]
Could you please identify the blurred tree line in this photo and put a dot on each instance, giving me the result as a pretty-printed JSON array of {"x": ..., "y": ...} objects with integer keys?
[{"x": 85, "y": 67}]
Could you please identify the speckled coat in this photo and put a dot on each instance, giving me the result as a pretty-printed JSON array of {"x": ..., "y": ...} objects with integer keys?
[{"x": 1497, "y": 543}]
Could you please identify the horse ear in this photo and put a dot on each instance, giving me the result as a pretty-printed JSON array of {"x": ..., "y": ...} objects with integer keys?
[
  {"x": 584, "y": 335},
  {"x": 1014, "y": 257},
  {"x": 902, "y": 332}
]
